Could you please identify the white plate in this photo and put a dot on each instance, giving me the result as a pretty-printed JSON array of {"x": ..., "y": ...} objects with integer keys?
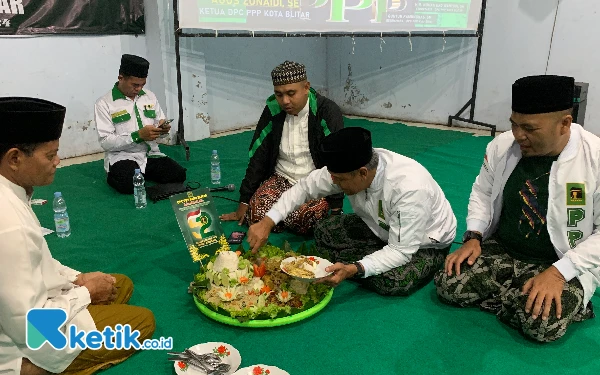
[
  {"x": 250, "y": 370},
  {"x": 320, "y": 272},
  {"x": 228, "y": 355}
]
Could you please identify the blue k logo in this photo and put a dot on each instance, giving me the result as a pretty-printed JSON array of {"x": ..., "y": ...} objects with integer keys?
[{"x": 44, "y": 325}]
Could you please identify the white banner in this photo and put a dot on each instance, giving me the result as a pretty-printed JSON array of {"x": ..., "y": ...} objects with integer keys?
[{"x": 330, "y": 15}]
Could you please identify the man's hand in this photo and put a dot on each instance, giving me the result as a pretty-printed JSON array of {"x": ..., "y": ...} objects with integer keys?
[
  {"x": 258, "y": 234},
  {"x": 150, "y": 132},
  {"x": 102, "y": 289},
  {"x": 28, "y": 368},
  {"x": 239, "y": 215},
  {"x": 340, "y": 271},
  {"x": 164, "y": 128},
  {"x": 470, "y": 249},
  {"x": 543, "y": 289},
  {"x": 82, "y": 278}
]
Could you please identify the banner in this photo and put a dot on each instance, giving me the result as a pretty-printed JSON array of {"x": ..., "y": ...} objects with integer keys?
[
  {"x": 199, "y": 223},
  {"x": 97, "y": 17},
  {"x": 331, "y": 15}
]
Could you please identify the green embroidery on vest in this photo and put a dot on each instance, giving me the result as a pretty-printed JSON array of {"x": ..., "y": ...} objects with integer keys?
[
  {"x": 149, "y": 112},
  {"x": 575, "y": 215},
  {"x": 120, "y": 116},
  {"x": 139, "y": 122},
  {"x": 381, "y": 217},
  {"x": 326, "y": 130},
  {"x": 574, "y": 236},
  {"x": 260, "y": 139},
  {"x": 575, "y": 194},
  {"x": 312, "y": 101},
  {"x": 273, "y": 105}
]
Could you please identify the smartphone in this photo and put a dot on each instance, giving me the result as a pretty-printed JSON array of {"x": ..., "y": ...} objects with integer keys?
[
  {"x": 236, "y": 238},
  {"x": 166, "y": 123}
]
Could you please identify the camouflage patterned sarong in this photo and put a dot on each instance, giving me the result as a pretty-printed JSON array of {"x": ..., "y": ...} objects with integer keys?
[
  {"x": 494, "y": 283},
  {"x": 346, "y": 238}
]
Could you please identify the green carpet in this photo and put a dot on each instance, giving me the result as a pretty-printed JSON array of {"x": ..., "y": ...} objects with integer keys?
[{"x": 359, "y": 332}]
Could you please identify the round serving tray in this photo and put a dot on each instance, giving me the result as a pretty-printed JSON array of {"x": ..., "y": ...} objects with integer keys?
[{"x": 264, "y": 323}]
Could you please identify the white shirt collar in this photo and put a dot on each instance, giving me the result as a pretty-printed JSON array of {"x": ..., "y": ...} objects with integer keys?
[
  {"x": 18, "y": 190},
  {"x": 572, "y": 145},
  {"x": 304, "y": 111}
]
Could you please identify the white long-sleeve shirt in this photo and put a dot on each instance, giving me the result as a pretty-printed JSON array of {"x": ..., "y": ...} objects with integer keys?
[
  {"x": 295, "y": 161},
  {"x": 573, "y": 224},
  {"x": 31, "y": 278},
  {"x": 118, "y": 120},
  {"x": 404, "y": 206}
]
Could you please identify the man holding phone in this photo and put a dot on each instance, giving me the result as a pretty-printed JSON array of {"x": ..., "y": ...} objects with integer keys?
[{"x": 129, "y": 120}]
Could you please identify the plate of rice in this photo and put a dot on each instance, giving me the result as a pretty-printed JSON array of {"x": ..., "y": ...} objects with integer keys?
[{"x": 306, "y": 268}]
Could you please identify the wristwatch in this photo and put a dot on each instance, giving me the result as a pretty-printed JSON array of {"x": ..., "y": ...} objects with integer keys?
[
  {"x": 360, "y": 273},
  {"x": 470, "y": 235}
]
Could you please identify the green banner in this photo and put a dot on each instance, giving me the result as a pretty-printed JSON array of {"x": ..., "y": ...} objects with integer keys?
[
  {"x": 331, "y": 15},
  {"x": 199, "y": 223}
]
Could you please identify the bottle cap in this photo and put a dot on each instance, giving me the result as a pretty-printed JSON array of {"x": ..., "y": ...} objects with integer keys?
[
  {"x": 137, "y": 171},
  {"x": 214, "y": 151},
  {"x": 57, "y": 194}
]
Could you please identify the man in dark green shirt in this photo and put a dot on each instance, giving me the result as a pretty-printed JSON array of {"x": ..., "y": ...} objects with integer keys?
[
  {"x": 525, "y": 211},
  {"x": 522, "y": 228}
]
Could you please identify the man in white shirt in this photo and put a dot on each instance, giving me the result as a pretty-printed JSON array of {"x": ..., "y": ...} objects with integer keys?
[
  {"x": 129, "y": 119},
  {"x": 284, "y": 149},
  {"x": 403, "y": 225},
  {"x": 29, "y": 275},
  {"x": 531, "y": 253}
]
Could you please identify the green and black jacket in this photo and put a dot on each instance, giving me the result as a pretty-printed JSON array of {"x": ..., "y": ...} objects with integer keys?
[{"x": 324, "y": 117}]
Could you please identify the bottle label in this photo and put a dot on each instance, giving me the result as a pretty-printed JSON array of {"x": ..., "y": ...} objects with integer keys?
[
  {"x": 140, "y": 195},
  {"x": 62, "y": 225}
]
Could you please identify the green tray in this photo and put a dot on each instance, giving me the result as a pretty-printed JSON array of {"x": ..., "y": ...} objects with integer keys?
[{"x": 264, "y": 323}]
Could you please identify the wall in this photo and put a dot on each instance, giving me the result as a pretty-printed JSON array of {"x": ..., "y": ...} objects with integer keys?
[
  {"x": 516, "y": 43},
  {"x": 574, "y": 52},
  {"x": 72, "y": 71},
  {"x": 225, "y": 81},
  {"x": 238, "y": 72},
  {"x": 523, "y": 37},
  {"x": 369, "y": 78}
]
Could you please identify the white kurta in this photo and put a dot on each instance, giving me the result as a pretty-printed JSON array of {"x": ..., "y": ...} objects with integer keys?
[
  {"x": 118, "y": 120},
  {"x": 573, "y": 226},
  {"x": 31, "y": 278},
  {"x": 295, "y": 161},
  {"x": 404, "y": 206}
]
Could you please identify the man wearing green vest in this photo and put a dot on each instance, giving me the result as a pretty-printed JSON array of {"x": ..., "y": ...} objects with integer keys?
[
  {"x": 129, "y": 120},
  {"x": 284, "y": 150}
]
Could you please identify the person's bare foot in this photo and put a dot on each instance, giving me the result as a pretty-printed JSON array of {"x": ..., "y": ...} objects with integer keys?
[{"x": 28, "y": 368}]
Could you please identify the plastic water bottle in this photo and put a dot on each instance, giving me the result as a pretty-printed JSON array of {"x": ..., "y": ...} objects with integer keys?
[
  {"x": 61, "y": 218},
  {"x": 215, "y": 168},
  {"x": 139, "y": 190}
]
